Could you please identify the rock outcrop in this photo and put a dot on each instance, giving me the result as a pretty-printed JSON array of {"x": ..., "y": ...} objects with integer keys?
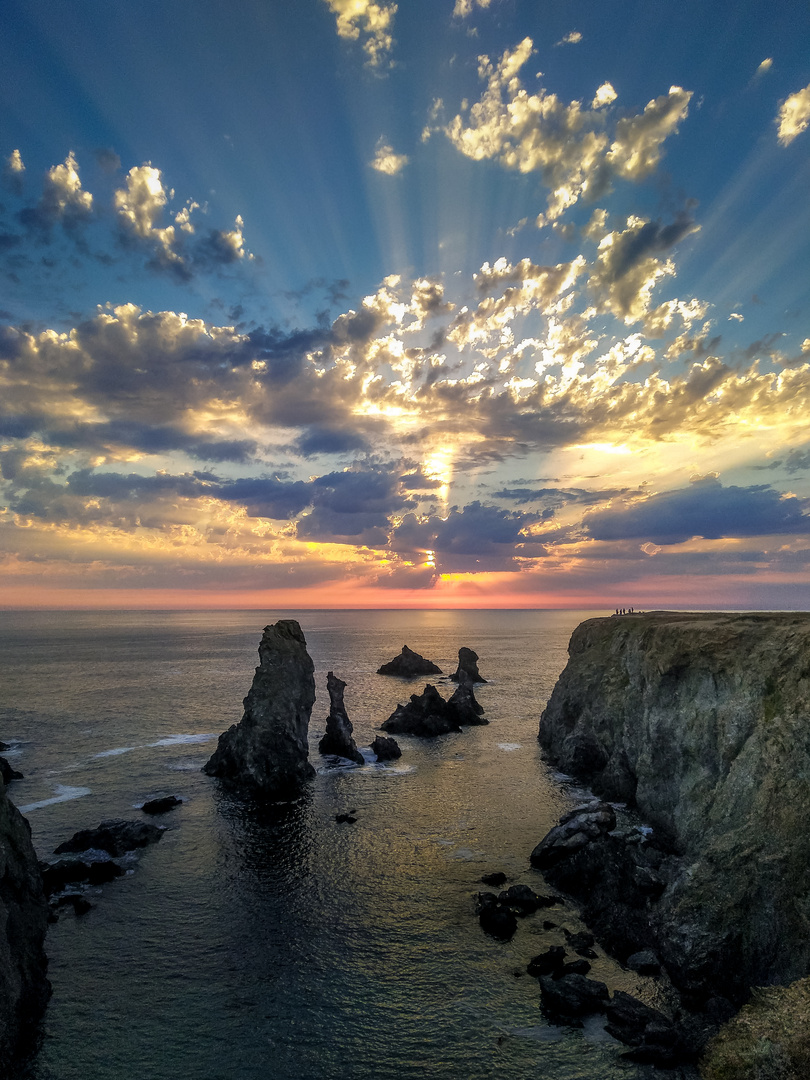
[
  {"x": 428, "y": 714},
  {"x": 24, "y": 988},
  {"x": 338, "y": 738},
  {"x": 409, "y": 664},
  {"x": 700, "y": 721},
  {"x": 7, "y": 774},
  {"x": 116, "y": 837},
  {"x": 386, "y": 749},
  {"x": 267, "y": 751},
  {"x": 467, "y": 666}
]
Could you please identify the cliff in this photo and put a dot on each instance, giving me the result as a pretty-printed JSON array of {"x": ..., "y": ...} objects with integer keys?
[
  {"x": 702, "y": 720},
  {"x": 24, "y": 989},
  {"x": 267, "y": 751}
]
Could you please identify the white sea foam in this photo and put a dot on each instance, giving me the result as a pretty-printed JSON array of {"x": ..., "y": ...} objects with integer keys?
[
  {"x": 62, "y": 794},
  {"x": 114, "y": 753},
  {"x": 509, "y": 745},
  {"x": 183, "y": 740}
]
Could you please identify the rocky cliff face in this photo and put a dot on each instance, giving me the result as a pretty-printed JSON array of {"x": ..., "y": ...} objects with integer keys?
[
  {"x": 267, "y": 750},
  {"x": 704, "y": 721},
  {"x": 24, "y": 989}
]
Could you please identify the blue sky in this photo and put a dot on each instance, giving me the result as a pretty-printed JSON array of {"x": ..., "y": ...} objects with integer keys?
[{"x": 437, "y": 302}]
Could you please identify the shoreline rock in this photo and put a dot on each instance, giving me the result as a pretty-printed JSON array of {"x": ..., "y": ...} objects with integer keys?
[
  {"x": 428, "y": 714},
  {"x": 699, "y": 720},
  {"x": 24, "y": 987},
  {"x": 386, "y": 749},
  {"x": 467, "y": 667},
  {"x": 267, "y": 751},
  {"x": 338, "y": 738}
]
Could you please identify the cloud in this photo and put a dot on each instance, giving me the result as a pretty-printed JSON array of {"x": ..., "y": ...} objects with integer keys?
[
  {"x": 140, "y": 208},
  {"x": 573, "y": 38},
  {"x": 13, "y": 169},
  {"x": 464, "y": 8},
  {"x": 794, "y": 116},
  {"x": 372, "y": 22},
  {"x": 705, "y": 509},
  {"x": 764, "y": 67},
  {"x": 63, "y": 198},
  {"x": 385, "y": 159},
  {"x": 567, "y": 144}
]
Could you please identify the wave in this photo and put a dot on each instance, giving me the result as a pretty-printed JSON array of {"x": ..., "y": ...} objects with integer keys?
[{"x": 63, "y": 794}]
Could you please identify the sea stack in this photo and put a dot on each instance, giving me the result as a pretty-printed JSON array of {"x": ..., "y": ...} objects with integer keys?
[
  {"x": 467, "y": 666},
  {"x": 267, "y": 750},
  {"x": 700, "y": 721},
  {"x": 338, "y": 738},
  {"x": 409, "y": 664},
  {"x": 24, "y": 988}
]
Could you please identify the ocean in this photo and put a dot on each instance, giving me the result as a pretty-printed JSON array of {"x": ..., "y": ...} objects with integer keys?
[{"x": 274, "y": 942}]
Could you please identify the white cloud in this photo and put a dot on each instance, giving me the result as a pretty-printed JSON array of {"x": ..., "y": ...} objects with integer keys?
[
  {"x": 573, "y": 38},
  {"x": 14, "y": 162},
  {"x": 794, "y": 116},
  {"x": 140, "y": 207},
  {"x": 386, "y": 160},
  {"x": 605, "y": 95},
  {"x": 464, "y": 8},
  {"x": 62, "y": 192},
  {"x": 765, "y": 66},
  {"x": 566, "y": 143},
  {"x": 736, "y": 316},
  {"x": 368, "y": 20}
]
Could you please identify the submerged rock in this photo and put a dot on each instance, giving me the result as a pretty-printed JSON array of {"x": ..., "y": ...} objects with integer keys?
[
  {"x": 267, "y": 750},
  {"x": 386, "y": 749},
  {"x": 408, "y": 664},
  {"x": 161, "y": 806},
  {"x": 338, "y": 738},
  {"x": 7, "y": 773},
  {"x": 24, "y": 988},
  {"x": 701, "y": 720},
  {"x": 115, "y": 837},
  {"x": 467, "y": 666}
]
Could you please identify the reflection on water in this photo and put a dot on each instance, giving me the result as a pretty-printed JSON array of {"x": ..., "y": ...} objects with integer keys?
[{"x": 261, "y": 941}]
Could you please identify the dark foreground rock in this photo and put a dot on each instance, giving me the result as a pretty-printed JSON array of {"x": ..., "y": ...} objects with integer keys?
[
  {"x": 161, "y": 806},
  {"x": 463, "y": 704},
  {"x": 386, "y": 749},
  {"x": 428, "y": 714},
  {"x": 24, "y": 988},
  {"x": 409, "y": 664},
  {"x": 115, "y": 837},
  {"x": 467, "y": 667},
  {"x": 338, "y": 738},
  {"x": 701, "y": 721},
  {"x": 496, "y": 919},
  {"x": 572, "y": 996},
  {"x": 267, "y": 751},
  {"x": 7, "y": 774},
  {"x": 90, "y": 871}
]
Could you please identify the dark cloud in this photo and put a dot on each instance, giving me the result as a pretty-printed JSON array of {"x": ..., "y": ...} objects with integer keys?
[
  {"x": 325, "y": 440},
  {"x": 652, "y": 238},
  {"x": 797, "y": 461},
  {"x": 706, "y": 509},
  {"x": 107, "y": 160},
  {"x": 561, "y": 496},
  {"x": 475, "y": 530}
]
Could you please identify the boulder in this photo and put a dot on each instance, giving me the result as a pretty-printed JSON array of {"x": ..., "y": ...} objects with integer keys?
[
  {"x": 267, "y": 751},
  {"x": 408, "y": 664},
  {"x": 24, "y": 987},
  {"x": 338, "y": 738},
  {"x": 496, "y": 919},
  {"x": 93, "y": 871},
  {"x": 655, "y": 1039},
  {"x": 467, "y": 665},
  {"x": 426, "y": 714},
  {"x": 7, "y": 773},
  {"x": 573, "y": 996},
  {"x": 161, "y": 806},
  {"x": 386, "y": 749},
  {"x": 576, "y": 829},
  {"x": 115, "y": 837},
  {"x": 644, "y": 962},
  {"x": 496, "y": 879},
  {"x": 548, "y": 962}
]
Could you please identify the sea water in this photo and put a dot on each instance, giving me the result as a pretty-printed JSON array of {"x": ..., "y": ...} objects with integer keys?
[{"x": 274, "y": 942}]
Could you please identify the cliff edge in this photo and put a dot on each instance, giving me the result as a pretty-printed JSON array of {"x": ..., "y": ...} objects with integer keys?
[
  {"x": 24, "y": 989},
  {"x": 703, "y": 721}
]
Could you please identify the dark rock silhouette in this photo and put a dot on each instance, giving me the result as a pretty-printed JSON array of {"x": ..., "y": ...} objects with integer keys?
[
  {"x": 548, "y": 962},
  {"x": 467, "y": 665},
  {"x": 24, "y": 988},
  {"x": 7, "y": 773},
  {"x": 408, "y": 664},
  {"x": 89, "y": 871},
  {"x": 115, "y": 837},
  {"x": 428, "y": 714},
  {"x": 386, "y": 749},
  {"x": 267, "y": 750},
  {"x": 338, "y": 738},
  {"x": 576, "y": 829},
  {"x": 496, "y": 879},
  {"x": 496, "y": 918},
  {"x": 572, "y": 996},
  {"x": 160, "y": 806}
]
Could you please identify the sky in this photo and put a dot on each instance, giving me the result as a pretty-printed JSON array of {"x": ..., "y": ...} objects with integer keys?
[{"x": 436, "y": 303}]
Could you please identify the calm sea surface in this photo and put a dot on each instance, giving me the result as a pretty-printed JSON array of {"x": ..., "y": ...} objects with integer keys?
[{"x": 276, "y": 943}]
